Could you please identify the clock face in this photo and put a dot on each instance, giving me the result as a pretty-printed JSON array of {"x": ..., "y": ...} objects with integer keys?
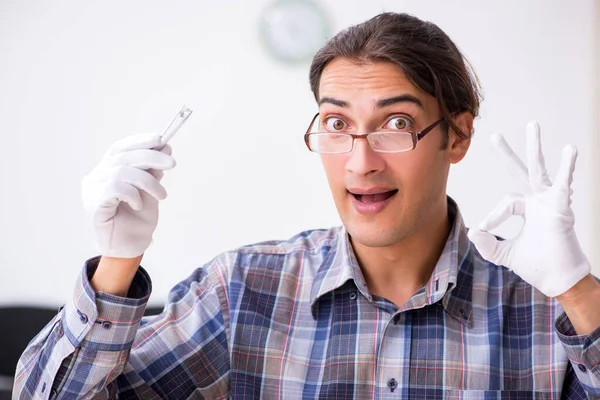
[{"x": 294, "y": 30}]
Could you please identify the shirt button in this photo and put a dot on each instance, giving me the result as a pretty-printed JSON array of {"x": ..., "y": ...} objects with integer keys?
[
  {"x": 463, "y": 313},
  {"x": 352, "y": 296},
  {"x": 83, "y": 318},
  {"x": 106, "y": 324},
  {"x": 392, "y": 384},
  {"x": 582, "y": 368}
]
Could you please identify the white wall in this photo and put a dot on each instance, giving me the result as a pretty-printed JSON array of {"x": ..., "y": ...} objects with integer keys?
[
  {"x": 595, "y": 144},
  {"x": 77, "y": 76}
]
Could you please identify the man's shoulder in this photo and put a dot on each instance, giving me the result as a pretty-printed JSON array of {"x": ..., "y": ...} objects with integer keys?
[
  {"x": 306, "y": 247},
  {"x": 313, "y": 240}
]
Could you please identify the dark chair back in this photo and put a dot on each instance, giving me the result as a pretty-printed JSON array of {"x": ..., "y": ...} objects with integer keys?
[{"x": 18, "y": 325}]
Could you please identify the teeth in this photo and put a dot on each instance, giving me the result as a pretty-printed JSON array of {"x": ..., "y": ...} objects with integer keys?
[{"x": 374, "y": 198}]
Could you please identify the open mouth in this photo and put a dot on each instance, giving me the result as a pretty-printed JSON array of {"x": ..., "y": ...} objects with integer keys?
[{"x": 375, "y": 197}]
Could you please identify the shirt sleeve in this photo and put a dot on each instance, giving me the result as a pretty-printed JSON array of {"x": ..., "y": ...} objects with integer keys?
[
  {"x": 583, "y": 352},
  {"x": 100, "y": 346}
]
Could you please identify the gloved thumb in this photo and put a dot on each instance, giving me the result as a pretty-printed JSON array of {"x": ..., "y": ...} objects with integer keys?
[{"x": 489, "y": 246}]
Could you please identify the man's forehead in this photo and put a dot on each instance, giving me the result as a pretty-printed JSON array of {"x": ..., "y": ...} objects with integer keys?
[{"x": 348, "y": 82}]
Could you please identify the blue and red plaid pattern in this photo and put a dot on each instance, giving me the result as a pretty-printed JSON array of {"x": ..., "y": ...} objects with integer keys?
[{"x": 295, "y": 320}]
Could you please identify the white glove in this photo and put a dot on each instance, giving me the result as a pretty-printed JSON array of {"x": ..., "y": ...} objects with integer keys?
[
  {"x": 546, "y": 252},
  {"x": 121, "y": 195}
]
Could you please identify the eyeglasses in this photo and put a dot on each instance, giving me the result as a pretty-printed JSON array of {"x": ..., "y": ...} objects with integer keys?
[{"x": 384, "y": 141}]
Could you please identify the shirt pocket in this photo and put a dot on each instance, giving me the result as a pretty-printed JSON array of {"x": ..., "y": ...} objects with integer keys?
[{"x": 498, "y": 395}]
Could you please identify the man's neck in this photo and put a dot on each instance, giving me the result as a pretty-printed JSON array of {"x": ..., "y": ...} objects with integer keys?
[{"x": 397, "y": 272}]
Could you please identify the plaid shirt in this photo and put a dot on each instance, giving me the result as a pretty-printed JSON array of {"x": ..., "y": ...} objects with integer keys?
[{"x": 295, "y": 319}]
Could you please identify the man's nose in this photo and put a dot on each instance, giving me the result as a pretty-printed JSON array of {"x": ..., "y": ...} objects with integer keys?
[{"x": 363, "y": 160}]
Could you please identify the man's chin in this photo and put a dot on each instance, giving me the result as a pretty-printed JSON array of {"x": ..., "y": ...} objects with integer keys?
[{"x": 373, "y": 236}]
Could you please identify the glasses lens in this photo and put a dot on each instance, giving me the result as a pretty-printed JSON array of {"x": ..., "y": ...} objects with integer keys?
[
  {"x": 330, "y": 143},
  {"x": 391, "y": 142}
]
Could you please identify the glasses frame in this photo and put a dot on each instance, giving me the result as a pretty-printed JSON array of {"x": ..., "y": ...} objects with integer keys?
[{"x": 416, "y": 136}]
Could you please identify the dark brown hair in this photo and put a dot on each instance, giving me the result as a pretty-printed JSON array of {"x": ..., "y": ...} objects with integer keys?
[{"x": 428, "y": 57}]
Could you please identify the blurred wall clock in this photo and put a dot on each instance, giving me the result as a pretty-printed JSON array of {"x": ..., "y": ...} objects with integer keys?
[{"x": 294, "y": 30}]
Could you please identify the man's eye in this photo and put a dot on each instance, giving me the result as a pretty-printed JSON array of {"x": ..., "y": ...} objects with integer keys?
[
  {"x": 334, "y": 124},
  {"x": 398, "y": 123}
]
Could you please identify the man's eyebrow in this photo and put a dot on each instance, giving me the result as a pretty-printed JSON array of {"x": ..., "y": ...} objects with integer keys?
[
  {"x": 335, "y": 102},
  {"x": 380, "y": 104},
  {"x": 399, "y": 99}
]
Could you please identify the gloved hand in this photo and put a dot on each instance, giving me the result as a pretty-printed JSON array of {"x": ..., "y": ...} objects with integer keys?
[
  {"x": 546, "y": 252},
  {"x": 121, "y": 195}
]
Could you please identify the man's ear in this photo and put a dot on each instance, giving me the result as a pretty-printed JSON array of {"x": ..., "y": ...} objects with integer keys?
[{"x": 457, "y": 146}]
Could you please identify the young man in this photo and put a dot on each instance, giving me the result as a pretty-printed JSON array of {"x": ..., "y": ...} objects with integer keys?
[{"x": 397, "y": 303}]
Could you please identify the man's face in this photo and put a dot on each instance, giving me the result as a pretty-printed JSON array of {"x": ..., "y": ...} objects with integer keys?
[{"x": 383, "y": 198}]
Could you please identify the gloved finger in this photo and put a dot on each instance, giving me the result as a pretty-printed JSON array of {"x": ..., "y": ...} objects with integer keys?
[
  {"x": 167, "y": 150},
  {"x": 536, "y": 165},
  {"x": 135, "y": 142},
  {"x": 511, "y": 205},
  {"x": 143, "y": 159},
  {"x": 514, "y": 162},
  {"x": 140, "y": 179},
  {"x": 564, "y": 177},
  {"x": 490, "y": 248},
  {"x": 157, "y": 173},
  {"x": 117, "y": 191}
]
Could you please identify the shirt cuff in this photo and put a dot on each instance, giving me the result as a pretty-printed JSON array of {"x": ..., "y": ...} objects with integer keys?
[
  {"x": 103, "y": 321},
  {"x": 583, "y": 351}
]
